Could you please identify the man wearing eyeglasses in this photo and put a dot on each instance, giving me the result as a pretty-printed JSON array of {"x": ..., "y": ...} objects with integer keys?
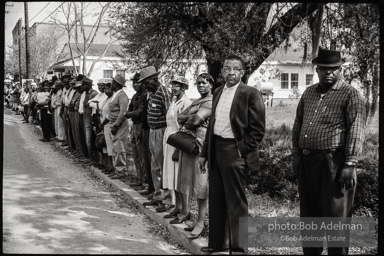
[{"x": 236, "y": 129}]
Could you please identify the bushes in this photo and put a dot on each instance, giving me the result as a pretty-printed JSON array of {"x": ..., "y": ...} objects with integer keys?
[
  {"x": 279, "y": 181},
  {"x": 367, "y": 188}
]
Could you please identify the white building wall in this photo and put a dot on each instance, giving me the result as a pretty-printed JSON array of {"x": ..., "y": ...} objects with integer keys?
[{"x": 278, "y": 92}]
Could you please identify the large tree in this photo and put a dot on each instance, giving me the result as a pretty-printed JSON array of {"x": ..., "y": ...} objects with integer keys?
[{"x": 157, "y": 32}]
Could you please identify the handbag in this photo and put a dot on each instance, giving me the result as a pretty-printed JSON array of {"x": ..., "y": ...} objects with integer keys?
[
  {"x": 100, "y": 140},
  {"x": 184, "y": 142}
]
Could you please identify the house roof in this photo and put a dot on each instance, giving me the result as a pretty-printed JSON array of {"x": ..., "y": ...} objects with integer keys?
[{"x": 95, "y": 51}]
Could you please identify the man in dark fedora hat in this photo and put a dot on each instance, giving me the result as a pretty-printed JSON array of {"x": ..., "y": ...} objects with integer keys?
[
  {"x": 159, "y": 100},
  {"x": 328, "y": 134},
  {"x": 119, "y": 126}
]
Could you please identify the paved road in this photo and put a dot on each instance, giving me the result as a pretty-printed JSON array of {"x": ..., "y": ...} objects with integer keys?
[{"x": 52, "y": 205}]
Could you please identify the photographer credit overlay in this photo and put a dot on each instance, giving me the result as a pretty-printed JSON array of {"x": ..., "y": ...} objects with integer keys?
[{"x": 311, "y": 232}]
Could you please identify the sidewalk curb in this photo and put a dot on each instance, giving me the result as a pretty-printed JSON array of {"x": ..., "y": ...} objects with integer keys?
[{"x": 177, "y": 231}]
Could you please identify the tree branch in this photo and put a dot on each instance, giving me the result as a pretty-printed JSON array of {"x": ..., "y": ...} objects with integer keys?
[{"x": 282, "y": 28}]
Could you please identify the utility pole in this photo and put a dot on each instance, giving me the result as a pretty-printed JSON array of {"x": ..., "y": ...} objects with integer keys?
[
  {"x": 19, "y": 41},
  {"x": 28, "y": 59}
]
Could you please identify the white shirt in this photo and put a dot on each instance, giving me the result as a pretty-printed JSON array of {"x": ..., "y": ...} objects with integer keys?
[
  {"x": 69, "y": 96},
  {"x": 63, "y": 95},
  {"x": 101, "y": 97},
  {"x": 222, "y": 126},
  {"x": 81, "y": 104}
]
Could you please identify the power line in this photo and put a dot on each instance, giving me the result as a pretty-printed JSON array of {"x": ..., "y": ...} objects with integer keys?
[
  {"x": 52, "y": 12},
  {"x": 40, "y": 11},
  {"x": 45, "y": 18}
]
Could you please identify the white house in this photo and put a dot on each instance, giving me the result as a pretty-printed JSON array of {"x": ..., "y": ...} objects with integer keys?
[{"x": 283, "y": 71}]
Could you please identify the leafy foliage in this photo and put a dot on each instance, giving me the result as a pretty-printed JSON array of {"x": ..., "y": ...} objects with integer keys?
[
  {"x": 367, "y": 188},
  {"x": 156, "y": 32}
]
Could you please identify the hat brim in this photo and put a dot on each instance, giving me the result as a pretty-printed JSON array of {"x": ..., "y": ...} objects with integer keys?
[
  {"x": 154, "y": 74},
  {"x": 113, "y": 79},
  {"x": 175, "y": 81},
  {"x": 323, "y": 64}
]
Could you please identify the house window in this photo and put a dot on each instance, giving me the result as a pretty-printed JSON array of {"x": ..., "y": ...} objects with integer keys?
[
  {"x": 120, "y": 72},
  {"x": 284, "y": 81},
  {"x": 108, "y": 73},
  {"x": 294, "y": 80},
  {"x": 308, "y": 79}
]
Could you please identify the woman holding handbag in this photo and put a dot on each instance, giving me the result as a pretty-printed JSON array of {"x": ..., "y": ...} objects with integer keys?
[
  {"x": 179, "y": 103},
  {"x": 193, "y": 181}
]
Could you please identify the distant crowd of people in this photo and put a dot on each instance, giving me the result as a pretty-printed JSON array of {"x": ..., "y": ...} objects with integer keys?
[{"x": 228, "y": 127}]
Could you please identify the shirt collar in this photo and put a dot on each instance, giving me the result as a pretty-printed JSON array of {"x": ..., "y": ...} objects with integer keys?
[
  {"x": 336, "y": 86},
  {"x": 231, "y": 88}
]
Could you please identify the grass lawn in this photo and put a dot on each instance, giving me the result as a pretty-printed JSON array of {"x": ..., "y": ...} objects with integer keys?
[{"x": 277, "y": 115}]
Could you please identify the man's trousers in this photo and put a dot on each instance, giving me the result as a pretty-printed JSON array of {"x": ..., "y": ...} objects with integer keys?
[
  {"x": 59, "y": 124},
  {"x": 138, "y": 151},
  {"x": 26, "y": 113},
  {"x": 74, "y": 118},
  {"x": 157, "y": 160},
  {"x": 120, "y": 144},
  {"x": 68, "y": 130},
  {"x": 87, "y": 122},
  {"x": 84, "y": 150},
  {"x": 321, "y": 195},
  {"x": 147, "y": 159},
  {"x": 228, "y": 206},
  {"x": 46, "y": 123}
]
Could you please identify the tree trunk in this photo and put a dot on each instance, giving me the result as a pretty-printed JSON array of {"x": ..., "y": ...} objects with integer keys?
[
  {"x": 375, "y": 89},
  {"x": 214, "y": 69},
  {"x": 367, "y": 89},
  {"x": 96, "y": 60},
  {"x": 315, "y": 26}
]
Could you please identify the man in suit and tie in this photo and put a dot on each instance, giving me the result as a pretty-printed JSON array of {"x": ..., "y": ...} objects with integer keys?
[{"x": 236, "y": 129}]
